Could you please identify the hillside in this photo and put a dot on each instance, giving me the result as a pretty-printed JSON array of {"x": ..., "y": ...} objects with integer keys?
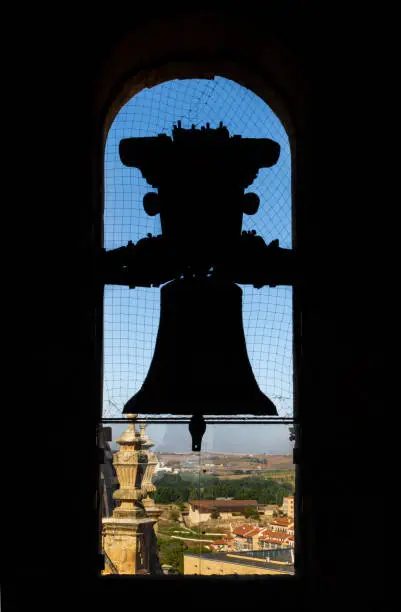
[{"x": 227, "y": 460}]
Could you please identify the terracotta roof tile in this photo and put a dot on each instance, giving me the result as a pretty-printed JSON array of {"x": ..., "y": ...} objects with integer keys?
[
  {"x": 242, "y": 528},
  {"x": 274, "y": 536},
  {"x": 249, "y": 530},
  {"x": 253, "y": 532},
  {"x": 282, "y": 522}
]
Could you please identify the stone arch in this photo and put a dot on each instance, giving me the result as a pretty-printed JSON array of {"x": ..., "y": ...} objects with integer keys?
[{"x": 202, "y": 46}]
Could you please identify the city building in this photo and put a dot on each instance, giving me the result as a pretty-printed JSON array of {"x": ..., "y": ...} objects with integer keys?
[
  {"x": 288, "y": 506},
  {"x": 280, "y": 534},
  {"x": 247, "y": 537},
  {"x": 275, "y": 539},
  {"x": 163, "y": 469},
  {"x": 223, "y": 564},
  {"x": 267, "y": 510},
  {"x": 282, "y": 523},
  {"x": 226, "y": 544},
  {"x": 200, "y": 511}
]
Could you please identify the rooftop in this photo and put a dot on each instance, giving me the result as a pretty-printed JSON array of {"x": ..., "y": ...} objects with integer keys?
[
  {"x": 282, "y": 522},
  {"x": 208, "y": 504},
  {"x": 242, "y": 559},
  {"x": 275, "y": 536},
  {"x": 248, "y": 530}
]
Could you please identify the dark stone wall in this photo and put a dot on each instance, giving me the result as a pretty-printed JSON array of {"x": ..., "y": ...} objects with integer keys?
[{"x": 64, "y": 72}]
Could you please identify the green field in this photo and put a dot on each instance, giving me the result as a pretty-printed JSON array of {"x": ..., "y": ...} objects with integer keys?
[
  {"x": 283, "y": 475},
  {"x": 171, "y": 551},
  {"x": 265, "y": 488},
  {"x": 175, "y": 531}
]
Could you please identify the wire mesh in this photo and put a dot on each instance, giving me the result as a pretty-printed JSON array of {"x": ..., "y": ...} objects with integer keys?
[{"x": 131, "y": 317}]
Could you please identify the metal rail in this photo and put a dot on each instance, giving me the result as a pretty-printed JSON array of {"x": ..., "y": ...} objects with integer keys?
[{"x": 209, "y": 421}]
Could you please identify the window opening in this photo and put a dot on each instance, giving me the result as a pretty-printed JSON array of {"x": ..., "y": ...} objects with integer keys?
[{"x": 131, "y": 321}]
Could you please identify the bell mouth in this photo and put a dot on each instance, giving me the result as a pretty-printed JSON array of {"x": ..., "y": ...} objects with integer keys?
[
  {"x": 200, "y": 363},
  {"x": 144, "y": 402}
]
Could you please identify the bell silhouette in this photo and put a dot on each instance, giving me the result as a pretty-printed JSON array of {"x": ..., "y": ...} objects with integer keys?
[{"x": 200, "y": 364}]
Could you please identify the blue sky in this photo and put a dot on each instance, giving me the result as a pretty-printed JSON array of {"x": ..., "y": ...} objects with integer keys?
[{"x": 131, "y": 317}]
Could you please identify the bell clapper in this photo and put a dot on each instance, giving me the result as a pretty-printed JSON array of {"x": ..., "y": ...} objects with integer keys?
[{"x": 197, "y": 428}]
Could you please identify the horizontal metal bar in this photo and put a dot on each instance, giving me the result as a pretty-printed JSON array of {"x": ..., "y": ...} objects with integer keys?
[{"x": 213, "y": 421}]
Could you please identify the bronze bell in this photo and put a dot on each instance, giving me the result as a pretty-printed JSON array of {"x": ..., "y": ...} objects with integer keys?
[{"x": 200, "y": 364}]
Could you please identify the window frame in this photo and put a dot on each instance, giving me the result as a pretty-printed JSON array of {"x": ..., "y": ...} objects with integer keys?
[{"x": 115, "y": 103}]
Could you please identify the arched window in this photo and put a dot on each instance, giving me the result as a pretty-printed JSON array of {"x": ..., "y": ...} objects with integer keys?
[{"x": 230, "y": 453}]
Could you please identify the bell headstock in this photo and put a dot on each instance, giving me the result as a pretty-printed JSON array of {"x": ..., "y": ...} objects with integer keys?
[{"x": 201, "y": 176}]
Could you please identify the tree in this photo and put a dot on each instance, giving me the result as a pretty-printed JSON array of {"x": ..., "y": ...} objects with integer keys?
[
  {"x": 171, "y": 553},
  {"x": 174, "y": 514},
  {"x": 215, "y": 514},
  {"x": 193, "y": 493},
  {"x": 251, "y": 512}
]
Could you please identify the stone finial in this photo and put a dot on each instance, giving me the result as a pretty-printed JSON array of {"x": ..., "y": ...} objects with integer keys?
[
  {"x": 128, "y": 538},
  {"x": 150, "y": 464},
  {"x": 146, "y": 441},
  {"x": 127, "y": 463}
]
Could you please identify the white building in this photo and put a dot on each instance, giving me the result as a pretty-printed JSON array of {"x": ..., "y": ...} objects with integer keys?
[
  {"x": 161, "y": 468},
  {"x": 288, "y": 506}
]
